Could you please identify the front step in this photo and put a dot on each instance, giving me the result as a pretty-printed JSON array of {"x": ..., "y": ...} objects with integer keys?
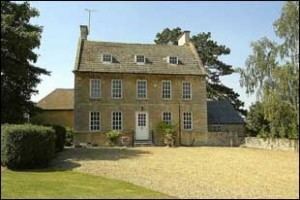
[{"x": 143, "y": 143}]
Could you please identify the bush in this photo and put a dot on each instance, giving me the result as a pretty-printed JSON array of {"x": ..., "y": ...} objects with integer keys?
[
  {"x": 168, "y": 131},
  {"x": 26, "y": 146},
  {"x": 60, "y": 137},
  {"x": 69, "y": 137},
  {"x": 112, "y": 136}
]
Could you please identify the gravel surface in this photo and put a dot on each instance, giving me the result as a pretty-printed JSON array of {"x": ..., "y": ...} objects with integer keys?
[{"x": 193, "y": 172}]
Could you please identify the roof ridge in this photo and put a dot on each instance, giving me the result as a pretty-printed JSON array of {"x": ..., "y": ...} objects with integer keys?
[{"x": 127, "y": 43}]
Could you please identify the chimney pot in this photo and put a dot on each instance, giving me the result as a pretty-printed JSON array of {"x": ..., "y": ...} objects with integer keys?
[
  {"x": 184, "y": 38},
  {"x": 84, "y": 31}
]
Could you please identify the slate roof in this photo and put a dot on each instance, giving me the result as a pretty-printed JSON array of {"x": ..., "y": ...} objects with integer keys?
[
  {"x": 90, "y": 53},
  {"x": 222, "y": 112},
  {"x": 59, "y": 99}
]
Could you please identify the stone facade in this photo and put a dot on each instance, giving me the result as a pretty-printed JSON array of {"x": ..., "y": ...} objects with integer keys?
[
  {"x": 58, "y": 117},
  {"x": 129, "y": 104}
]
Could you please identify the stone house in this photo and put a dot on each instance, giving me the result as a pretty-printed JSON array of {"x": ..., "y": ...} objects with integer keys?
[
  {"x": 57, "y": 108},
  {"x": 133, "y": 87}
]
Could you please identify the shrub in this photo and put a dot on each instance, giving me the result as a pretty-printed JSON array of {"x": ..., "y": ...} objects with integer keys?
[
  {"x": 168, "y": 131},
  {"x": 112, "y": 136},
  {"x": 60, "y": 137},
  {"x": 69, "y": 137},
  {"x": 26, "y": 146}
]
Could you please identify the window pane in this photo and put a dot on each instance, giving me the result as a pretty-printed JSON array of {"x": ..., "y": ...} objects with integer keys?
[
  {"x": 141, "y": 89},
  {"x": 107, "y": 58},
  {"x": 140, "y": 59},
  {"x": 95, "y": 89},
  {"x": 186, "y": 90},
  {"x": 116, "y": 89},
  {"x": 166, "y": 89},
  {"x": 117, "y": 121},
  {"x": 167, "y": 117},
  {"x": 187, "y": 120},
  {"x": 173, "y": 60},
  {"x": 94, "y": 121}
]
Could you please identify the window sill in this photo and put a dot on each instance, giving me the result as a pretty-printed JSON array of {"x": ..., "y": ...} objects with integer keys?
[
  {"x": 187, "y": 130},
  {"x": 95, "y": 98},
  {"x": 186, "y": 99}
]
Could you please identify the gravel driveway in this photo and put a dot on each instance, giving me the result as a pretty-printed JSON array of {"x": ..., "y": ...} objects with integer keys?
[{"x": 193, "y": 172}]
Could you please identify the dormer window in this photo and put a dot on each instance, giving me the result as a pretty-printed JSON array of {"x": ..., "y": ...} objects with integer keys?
[
  {"x": 173, "y": 60},
  {"x": 140, "y": 59},
  {"x": 107, "y": 58}
]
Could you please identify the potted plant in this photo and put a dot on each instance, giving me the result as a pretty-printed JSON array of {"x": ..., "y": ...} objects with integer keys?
[
  {"x": 168, "y": 131},
  {"x": 112, "y": 137}
]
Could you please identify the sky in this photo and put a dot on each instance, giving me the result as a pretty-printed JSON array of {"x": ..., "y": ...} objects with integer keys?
[{"x": 233, "y": 24}]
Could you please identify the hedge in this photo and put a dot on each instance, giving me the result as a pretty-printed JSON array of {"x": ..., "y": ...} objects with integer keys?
[
  {"x": 26, "y": 146},
  {"x": 60, "y": 137}
]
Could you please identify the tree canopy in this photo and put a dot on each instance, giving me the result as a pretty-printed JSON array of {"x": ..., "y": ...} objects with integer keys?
[
  {"x": 272, "y": 72},
  {"x": 19, "y": 75}
]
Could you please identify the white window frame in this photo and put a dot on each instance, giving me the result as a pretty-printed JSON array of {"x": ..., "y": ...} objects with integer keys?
[
  {"x": 139, "y": 63},
  {"x": 187, "y": 129},
  {"x": 91, "y": 89},
  {"x": 162, "y": 117},
  {"x": 90, "y": 121},
  {"x": 162, "y": 89},
  {"x": 146, "y": 90},
  {"x": 112, "y": 120},
  {"x": 169, "y": 59},
  {"x": 191, "y": 91},
  {"x": 107, "y": 54},
  {"x": 112, "y": 89}
]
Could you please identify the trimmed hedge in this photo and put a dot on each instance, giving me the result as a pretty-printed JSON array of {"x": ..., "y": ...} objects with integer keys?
[
  {"x": 26, "y": 146},
  {"x": 60, "y": 137},
  {"x": 69, "y": 137}
]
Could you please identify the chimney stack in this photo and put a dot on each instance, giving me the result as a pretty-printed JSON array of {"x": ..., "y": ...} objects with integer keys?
[
  {"x": 184, "y": 38},
  {"x": 84, "y": 31}
]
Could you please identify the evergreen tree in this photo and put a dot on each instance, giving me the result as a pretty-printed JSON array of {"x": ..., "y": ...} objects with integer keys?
[{"x": 19, "y": 75}]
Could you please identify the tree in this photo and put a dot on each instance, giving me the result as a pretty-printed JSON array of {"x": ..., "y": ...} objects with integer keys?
[
  {"x": 272, "y": 71},
  {"x": 256, "y": 124},
  {"x": 209, "y": 51},
  {"x": 19, "y": 76}
]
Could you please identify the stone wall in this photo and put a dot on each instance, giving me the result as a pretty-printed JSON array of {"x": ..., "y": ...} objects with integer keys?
[
  {"x": 276, "y": 143},
  {"x": 129, "y": 104},
  {"x": 235, "y": 128},
  {"x": 224, "y": 139}
]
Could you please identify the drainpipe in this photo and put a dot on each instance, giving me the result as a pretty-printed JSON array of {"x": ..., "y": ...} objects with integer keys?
[{"x": 179, "y": 132}]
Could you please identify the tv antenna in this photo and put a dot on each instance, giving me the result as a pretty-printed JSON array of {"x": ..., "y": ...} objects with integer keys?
[{"x": 90, "y": 11}]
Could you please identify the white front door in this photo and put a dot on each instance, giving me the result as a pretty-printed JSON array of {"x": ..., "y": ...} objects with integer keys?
[{"x": 141, "y": 126}]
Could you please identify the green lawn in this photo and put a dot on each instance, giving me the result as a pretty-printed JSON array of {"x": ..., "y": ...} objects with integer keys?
[{"x": 68, "y": 184}]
